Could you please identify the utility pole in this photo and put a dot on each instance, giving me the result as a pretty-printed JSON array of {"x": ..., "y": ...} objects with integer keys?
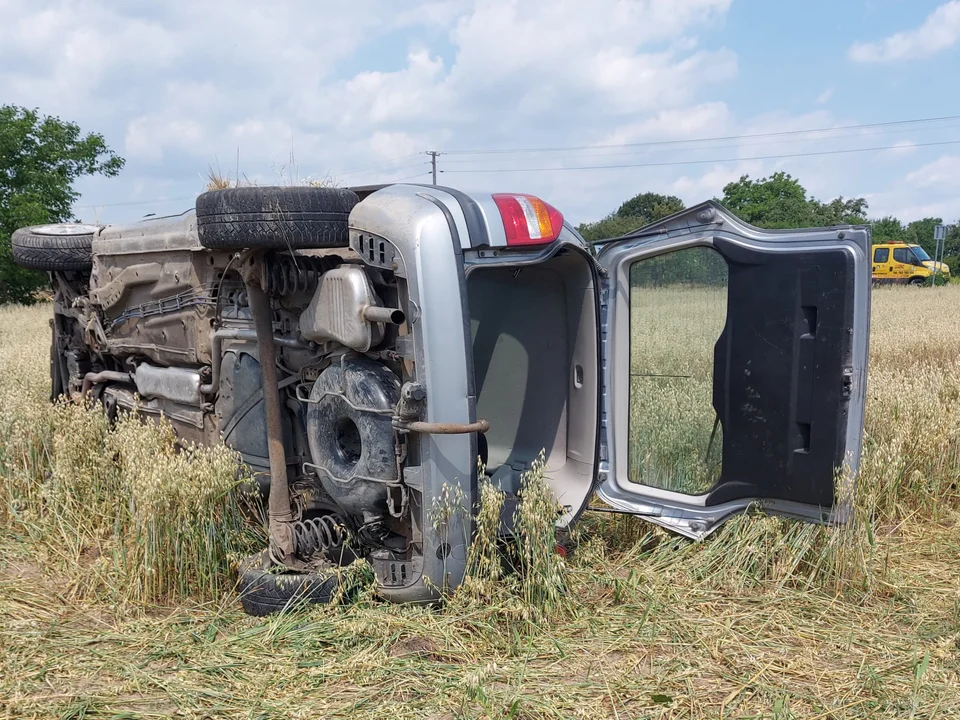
[
  {"x": 940, "y": 236},
  {"x": 433, "y": 163}
]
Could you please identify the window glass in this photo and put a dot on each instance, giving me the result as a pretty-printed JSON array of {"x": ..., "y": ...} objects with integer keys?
[
  {"x": 881, "y": 255},
  {"x": 902, "y": 255},
  {"x": 678, "y": 304}
]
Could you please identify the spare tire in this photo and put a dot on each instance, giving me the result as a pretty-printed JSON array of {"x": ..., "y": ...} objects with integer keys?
[
  {"x": 67, "y": 246},
  {"x": 277, "y": 218},
  {"x": 351, "y": 436},
  {"x": 263, "y": 592}
]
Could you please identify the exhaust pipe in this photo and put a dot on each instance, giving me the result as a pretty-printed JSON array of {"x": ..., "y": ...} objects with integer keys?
[{"x": 375, "y": 313}]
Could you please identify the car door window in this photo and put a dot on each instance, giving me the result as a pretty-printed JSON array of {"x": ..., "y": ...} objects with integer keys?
[
  {"x": 881, "y": 255},
  {"x": 678, "y": 305},
  {"x": 903, "y": 255}
]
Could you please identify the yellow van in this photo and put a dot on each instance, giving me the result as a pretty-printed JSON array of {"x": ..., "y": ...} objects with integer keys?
[{"x": 897, "y": 262}]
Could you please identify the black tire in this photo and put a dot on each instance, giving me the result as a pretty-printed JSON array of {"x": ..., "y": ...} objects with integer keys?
[
  {"x": 54, "y": 247},
  {"x": 264, "y": 593},
  {"x": 917, "y": 281},
  {"x": 277, "y": 218}
]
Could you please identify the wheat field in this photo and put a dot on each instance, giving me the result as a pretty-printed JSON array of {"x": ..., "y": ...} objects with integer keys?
[{"x": 116, "y": 593}]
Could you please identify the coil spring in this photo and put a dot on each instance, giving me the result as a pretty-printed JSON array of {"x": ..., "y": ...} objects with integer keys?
[
  {"x": 321, "y": 534},
  {"x": 301, "y": 274}
]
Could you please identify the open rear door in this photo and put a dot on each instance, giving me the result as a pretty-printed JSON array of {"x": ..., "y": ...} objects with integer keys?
[{"x": 735, "y": 364}]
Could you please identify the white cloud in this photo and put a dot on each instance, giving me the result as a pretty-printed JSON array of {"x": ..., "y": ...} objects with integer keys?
[
  {"x": 408, "y": 94},
  {"x": 824, "y": 97},
  {"x": 942, "y": 174},
  {"x": 701, "y": 120},
  {"x": 939, "y": 31},
  {"x": 712, "y": 181},
  {"x": 903, "y": 147},
  {"x": 358, "y": 90},
  {"x": 929, "y": 190}
]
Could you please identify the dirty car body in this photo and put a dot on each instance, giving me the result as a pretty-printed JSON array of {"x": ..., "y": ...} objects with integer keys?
[{"x": 439, "y": 328}]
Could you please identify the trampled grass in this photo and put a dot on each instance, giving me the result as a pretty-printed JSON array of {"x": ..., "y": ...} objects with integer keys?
[{"x": 766, "y": 619}]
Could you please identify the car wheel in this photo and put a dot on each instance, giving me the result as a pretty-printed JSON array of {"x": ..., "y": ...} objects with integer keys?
[
  {"x": 263, "y": 592},
  {"x": 277, "y": 218},
  {"x": 54, "y": 247},
  {"x": 917, "y": 281}
]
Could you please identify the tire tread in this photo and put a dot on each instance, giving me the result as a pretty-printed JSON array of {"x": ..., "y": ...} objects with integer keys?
[
  {"x": 280, "y": 218},
  {"x": 264, "y": 593},
  {"x": 51, "y": 252}
]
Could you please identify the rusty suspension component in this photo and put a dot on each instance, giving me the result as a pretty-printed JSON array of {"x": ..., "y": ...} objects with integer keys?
[
  {"x": 279, "y": 510},
  {"x": 435, "y": 428},
  {"x": 91, "y": 379},
  {"x": 288, "y": 274}
]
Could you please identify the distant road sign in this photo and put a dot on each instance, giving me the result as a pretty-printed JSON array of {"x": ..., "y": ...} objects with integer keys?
[{"x": 940, "y": 232}]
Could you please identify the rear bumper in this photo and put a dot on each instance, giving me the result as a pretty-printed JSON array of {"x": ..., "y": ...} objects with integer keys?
[{"x": 441, "y": 470}]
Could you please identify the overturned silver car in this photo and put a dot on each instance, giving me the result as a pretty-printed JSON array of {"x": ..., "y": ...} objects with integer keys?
[{"x": 361, "y": 348}]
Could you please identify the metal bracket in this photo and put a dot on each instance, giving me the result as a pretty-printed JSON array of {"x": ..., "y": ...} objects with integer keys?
[
  {"x": 318, "y": 471},
  {"x": 391, "y": 506}
]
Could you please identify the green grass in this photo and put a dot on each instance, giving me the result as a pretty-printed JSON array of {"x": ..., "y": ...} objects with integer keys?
[{"x": 766, "y": 619}]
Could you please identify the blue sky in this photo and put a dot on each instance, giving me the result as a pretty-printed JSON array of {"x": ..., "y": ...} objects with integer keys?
[
  {"x": 795, "y": 51},
  {"x": 356, "y": 91}
]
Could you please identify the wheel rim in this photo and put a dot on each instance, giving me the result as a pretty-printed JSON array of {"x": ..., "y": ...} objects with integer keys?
[{"x": 64, "y": 229}]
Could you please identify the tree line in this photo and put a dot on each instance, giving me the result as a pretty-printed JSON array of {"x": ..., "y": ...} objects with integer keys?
[
  {"x": 41, "y": 157},
  {"x": 778, "y": 202}
]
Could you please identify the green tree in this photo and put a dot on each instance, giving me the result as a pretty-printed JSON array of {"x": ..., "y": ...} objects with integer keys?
[
  {"x": 650, "y": 206},
  {"x": 636, "y": 212},
  {"x": 40, "y": 158},
  {"x": 921, "y": 233},
  {"x": 888, "y": 228},
  {"x": 840, "y": 211},
  {"x": 951, "y": 255},
  {"x": 780, "y": 201},
  {"x": 609, "y": 227}
]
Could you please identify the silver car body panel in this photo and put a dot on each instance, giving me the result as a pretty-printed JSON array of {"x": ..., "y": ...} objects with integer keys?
[{"x": 423, "y": 229}]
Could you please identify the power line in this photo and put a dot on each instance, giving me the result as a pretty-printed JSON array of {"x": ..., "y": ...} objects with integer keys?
[
  {"x": 587, "y": 154},
  {"x": 705, "y": 162},
  {"x": 781, "y": 133},
  {"x": 605, "y": 167}
]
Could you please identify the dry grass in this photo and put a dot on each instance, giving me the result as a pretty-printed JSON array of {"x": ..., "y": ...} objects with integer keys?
[
  {"x": 288, "y": 175},
  {"x": 767, "y": 619},
  {"x": 673, "y": 334}
]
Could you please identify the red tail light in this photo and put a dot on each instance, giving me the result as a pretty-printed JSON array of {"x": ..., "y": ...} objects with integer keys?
[{"x": 528, "y": 220}]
